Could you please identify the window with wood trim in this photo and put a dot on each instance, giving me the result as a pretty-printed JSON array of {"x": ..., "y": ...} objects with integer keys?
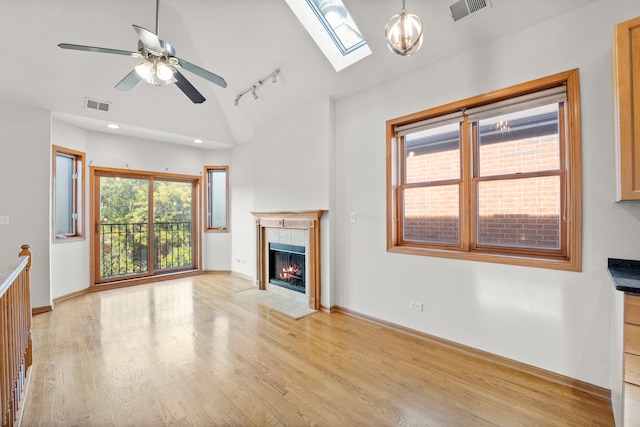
[
  {"x": 217, "y": 198},
  {"x": 68, "y": 194},
  {"x": 494, "y": 178},
  {"x": 145, "y": 224}
]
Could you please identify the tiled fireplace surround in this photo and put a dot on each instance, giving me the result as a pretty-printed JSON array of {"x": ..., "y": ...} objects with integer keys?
[{"x": 292, "y": 228}]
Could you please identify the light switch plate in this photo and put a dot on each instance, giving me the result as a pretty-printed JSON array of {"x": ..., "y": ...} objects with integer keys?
[{"x": 4, "y": 219}]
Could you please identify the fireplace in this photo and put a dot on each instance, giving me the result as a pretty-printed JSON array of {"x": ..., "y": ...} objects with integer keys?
[
  {"x": 287, "y": 266},
  {"x": 299, "y": 234}
]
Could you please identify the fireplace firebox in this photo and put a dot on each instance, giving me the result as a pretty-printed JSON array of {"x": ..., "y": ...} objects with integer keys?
[{"x": 287, "y": 266}]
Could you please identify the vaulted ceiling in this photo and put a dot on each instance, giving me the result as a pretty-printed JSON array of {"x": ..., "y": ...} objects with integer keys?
[{"x": 241, "y": 40}]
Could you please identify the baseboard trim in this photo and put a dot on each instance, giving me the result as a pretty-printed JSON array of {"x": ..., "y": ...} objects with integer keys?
[
  {"x": 326, "y": 309},
  {"x": 40, "y": 310},
  {"x": 97, "y": 287},
  {"x": 591, "y": 389},
  {"x": 71, "y": 295}
]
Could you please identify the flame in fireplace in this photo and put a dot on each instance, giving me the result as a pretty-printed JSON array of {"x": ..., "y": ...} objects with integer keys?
[{"x": 290, "y": 272}]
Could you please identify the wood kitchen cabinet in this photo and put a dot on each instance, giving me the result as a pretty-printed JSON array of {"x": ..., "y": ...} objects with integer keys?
[
  {"x": 632, "y": 359},
  {"x": 626, "y": 74}
]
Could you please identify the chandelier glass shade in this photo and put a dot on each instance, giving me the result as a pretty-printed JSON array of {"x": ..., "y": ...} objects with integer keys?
[{"x": 404, "y": 32}]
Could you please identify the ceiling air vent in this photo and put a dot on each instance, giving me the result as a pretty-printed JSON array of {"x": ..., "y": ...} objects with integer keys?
[
  {"x": 464, "y": 8},
  {"x": 94, "y": 104}
]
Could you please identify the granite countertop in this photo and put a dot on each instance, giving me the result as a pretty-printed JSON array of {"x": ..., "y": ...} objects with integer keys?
[{"x": 625, "y": 274}]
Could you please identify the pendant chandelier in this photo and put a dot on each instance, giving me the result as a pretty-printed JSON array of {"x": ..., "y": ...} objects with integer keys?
[{"x": 404, "y": 32}]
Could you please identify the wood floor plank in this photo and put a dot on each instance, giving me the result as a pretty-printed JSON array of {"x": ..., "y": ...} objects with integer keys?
[{"x": 192, "y": 352}]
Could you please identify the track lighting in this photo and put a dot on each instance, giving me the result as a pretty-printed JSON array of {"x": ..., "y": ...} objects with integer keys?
[{"x": 253, "y": 88}]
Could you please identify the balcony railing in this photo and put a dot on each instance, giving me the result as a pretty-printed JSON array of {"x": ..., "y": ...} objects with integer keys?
[{"x": 124, "y": 248}]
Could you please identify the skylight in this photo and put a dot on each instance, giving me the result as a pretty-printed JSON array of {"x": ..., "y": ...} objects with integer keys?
[
  {"x": 338, "y": 23},
  {"x": 333, "y": 29}
]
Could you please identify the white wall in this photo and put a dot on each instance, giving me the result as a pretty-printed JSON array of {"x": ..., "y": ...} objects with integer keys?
[
  {"x": 243, "y": 238},
  {"x": 70, "y": 260},
  {"x": 25, "y": 170},
  {"x": 285, "y": 168},
  {"x": 114, "y": 151},
  {"x": 554, "y": 320}
]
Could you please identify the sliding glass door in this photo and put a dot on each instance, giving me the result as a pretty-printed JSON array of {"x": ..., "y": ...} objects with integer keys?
[
  {"x": 172, "y": 225},
  {"x": 145, "y": 224},
  {"x": 124, "y": 227}
]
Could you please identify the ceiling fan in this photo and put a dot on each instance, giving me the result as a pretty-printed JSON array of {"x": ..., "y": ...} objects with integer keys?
[{"x": 160, "y": 66}]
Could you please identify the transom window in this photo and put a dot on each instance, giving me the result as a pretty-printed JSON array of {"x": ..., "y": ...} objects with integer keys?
[{"x": 491, "y": 178}]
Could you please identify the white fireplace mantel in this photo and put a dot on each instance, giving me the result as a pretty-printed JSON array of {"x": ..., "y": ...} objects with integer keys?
[{"x": 302, "y": 220}]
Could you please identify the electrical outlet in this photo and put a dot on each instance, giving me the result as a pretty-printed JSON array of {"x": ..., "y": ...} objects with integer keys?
[{"x": 415, "y": 305}]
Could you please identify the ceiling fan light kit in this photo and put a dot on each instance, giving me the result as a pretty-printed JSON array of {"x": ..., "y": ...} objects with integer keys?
[
  {"x": 160, "y": 66},
  {"x": 404, "y": 32},
  {"x": 155, "y": 72}
]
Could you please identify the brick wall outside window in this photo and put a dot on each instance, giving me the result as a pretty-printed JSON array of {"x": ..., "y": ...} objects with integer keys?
[{"x": 522, "y": 212}]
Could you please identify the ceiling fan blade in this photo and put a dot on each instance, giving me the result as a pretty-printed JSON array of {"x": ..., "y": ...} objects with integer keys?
[
  {"x": 129, "y": 81},
  {"x": 149, "y": 40},
  {"x": 98, "y": 49},
  {"x": 187, "y": 88},
  {"x": 214, "y": 78}
]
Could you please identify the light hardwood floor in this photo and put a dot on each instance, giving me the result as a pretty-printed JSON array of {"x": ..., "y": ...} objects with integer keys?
[{"x": 193, "y": 352}]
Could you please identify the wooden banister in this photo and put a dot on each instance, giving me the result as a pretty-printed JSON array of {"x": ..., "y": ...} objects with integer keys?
[{"x": 15, "y": 335}]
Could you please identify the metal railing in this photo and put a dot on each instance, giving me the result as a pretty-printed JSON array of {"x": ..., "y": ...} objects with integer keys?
[{"x": 124, "y": 248}]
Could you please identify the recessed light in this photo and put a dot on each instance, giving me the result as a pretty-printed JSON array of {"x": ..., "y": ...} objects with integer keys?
[
  {"x": 113, "y": 126},
  {"x": 197, "y": 141}
]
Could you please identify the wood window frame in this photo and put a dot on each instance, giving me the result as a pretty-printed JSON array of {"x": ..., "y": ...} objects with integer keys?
[
  {"x": 569, "y": 257},
  {"x": 78, "y": 194},
  {"x": 207, "y": 201},
  {"x": 95, "y": 172}
]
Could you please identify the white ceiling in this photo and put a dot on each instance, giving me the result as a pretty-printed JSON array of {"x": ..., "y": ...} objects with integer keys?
[{"x": 241, "y": 40}]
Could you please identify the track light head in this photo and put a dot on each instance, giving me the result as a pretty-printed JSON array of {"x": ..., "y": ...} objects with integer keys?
[{"x": 253, "y": 88}]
